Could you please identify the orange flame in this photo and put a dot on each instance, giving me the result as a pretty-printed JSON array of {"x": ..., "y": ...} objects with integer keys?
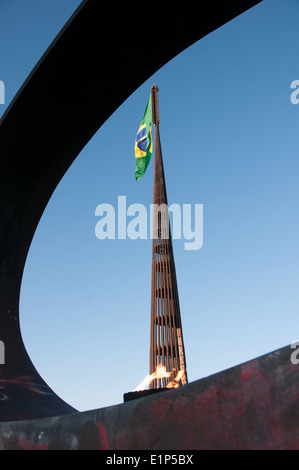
[
  {"x": 160, "y": 373},
  {"x": 175, "y": 383}
]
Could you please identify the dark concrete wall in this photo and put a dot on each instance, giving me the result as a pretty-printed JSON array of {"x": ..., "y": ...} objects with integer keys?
[{"x": 250, "y": 406}]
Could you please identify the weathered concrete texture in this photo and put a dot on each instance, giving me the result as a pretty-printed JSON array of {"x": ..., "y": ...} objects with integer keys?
[{"x": 250, "y": 406}]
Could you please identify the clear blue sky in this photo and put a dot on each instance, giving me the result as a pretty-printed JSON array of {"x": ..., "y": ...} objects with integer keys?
[{"x": 230, "y": 142}]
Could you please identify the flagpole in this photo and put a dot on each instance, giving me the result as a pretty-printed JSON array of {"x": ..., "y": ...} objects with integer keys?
[
  {"x": 166, "y": 345},
  {"x": 159, "y": 177},
  {"x": 155, "y": 106}
]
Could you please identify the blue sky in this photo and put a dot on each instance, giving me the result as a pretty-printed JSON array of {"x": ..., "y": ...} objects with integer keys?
[{"x": 229, "y": 137}]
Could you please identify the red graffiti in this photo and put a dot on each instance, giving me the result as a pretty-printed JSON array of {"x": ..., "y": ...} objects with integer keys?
[
  {"x": 103, "y": 436},
  {"x": 25, "y": 444}
]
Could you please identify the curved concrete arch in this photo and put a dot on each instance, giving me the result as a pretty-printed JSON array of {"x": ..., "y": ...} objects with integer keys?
[{"x": 47, "y": 125}]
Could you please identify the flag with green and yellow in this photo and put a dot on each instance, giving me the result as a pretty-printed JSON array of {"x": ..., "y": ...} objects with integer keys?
[{"x": 143, "y": 141}]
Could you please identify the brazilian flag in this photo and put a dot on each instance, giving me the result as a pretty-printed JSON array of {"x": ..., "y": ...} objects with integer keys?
[{"x": 143, "y": 142}]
